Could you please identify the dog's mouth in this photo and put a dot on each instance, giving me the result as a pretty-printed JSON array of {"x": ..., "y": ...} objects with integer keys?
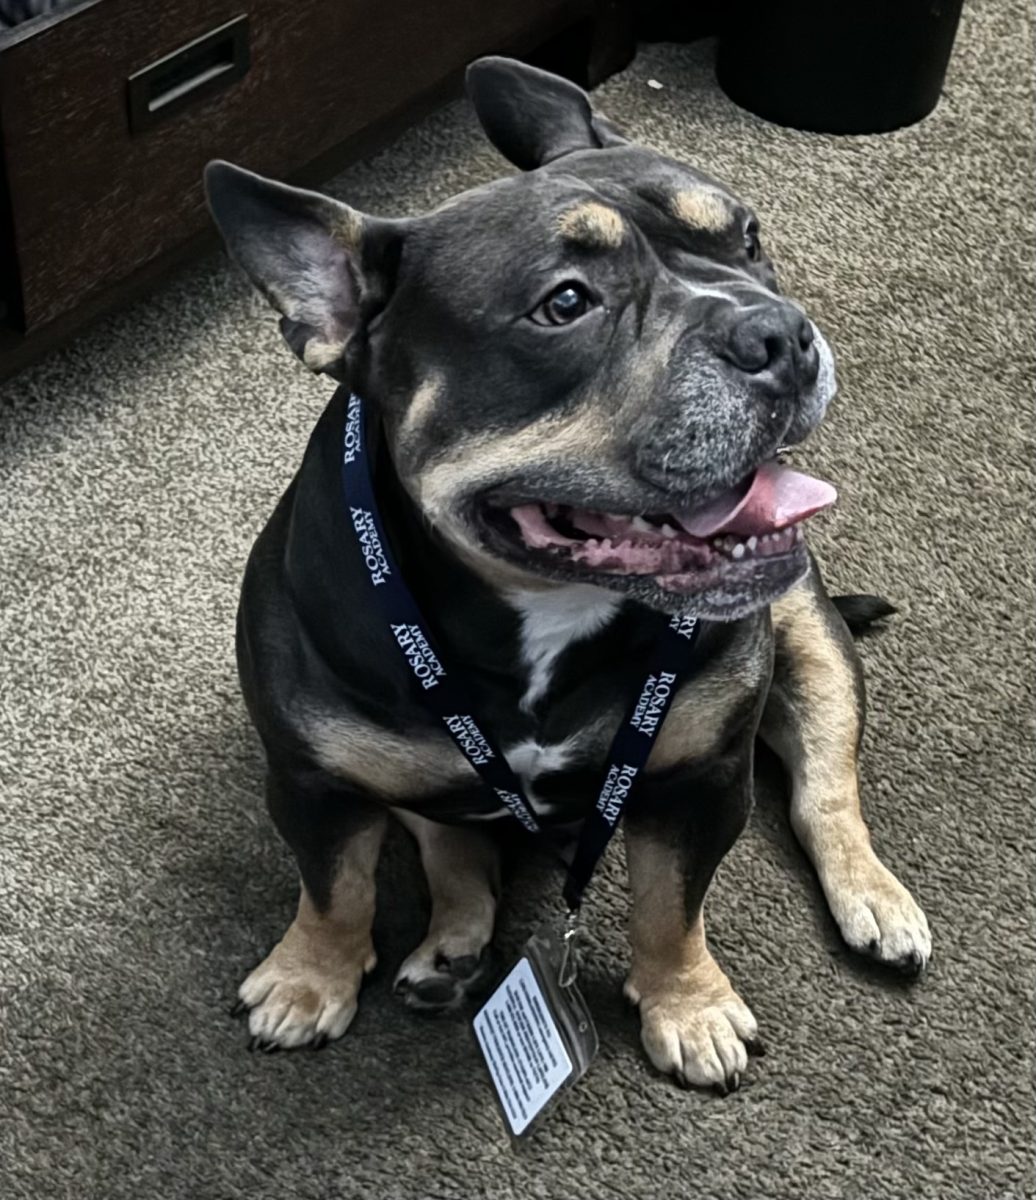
[{"x": 748, "y": 535}]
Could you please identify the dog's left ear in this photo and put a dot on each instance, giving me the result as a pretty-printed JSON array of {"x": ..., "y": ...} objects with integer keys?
[
  {"x": 533, "y": 117},
  {"x": 318, "y": 262}
]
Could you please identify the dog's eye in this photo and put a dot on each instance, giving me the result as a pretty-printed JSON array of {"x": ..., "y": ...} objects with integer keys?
[
  {"x": 753, "y": 247},
  {"x": 564, "y": 305}
]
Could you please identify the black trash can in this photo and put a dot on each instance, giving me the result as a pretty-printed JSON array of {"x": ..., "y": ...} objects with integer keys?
[{"x": 837, "y": 66}]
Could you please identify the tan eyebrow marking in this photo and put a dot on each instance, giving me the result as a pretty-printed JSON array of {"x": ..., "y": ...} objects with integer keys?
[
  {"x": 701, "y": 208},
  {"x": 592, "y": 224}
]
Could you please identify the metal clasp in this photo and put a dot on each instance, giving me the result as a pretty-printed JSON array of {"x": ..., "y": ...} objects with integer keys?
[{"x": 568, "y": 966}]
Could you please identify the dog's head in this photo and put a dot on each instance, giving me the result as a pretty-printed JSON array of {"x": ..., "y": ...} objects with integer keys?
[{"x": 584, "y": 371}]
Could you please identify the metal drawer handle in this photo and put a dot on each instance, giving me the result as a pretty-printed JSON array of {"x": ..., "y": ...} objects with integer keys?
[{"x": 202, "y": 67}]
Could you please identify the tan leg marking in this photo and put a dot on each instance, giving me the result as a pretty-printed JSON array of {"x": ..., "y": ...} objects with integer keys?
[
  {"x": 463, "y": 872},
  {"x": 307, "y": 987},
  {"x": 702, "y": 710},
  {"x": 874, "y": 911},
  {"x": 388, "y": 764},
  {"x": 693, "y": 1024}
]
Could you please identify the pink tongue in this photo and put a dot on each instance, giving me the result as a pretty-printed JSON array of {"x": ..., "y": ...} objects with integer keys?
[{"x": 777, "y": 498}]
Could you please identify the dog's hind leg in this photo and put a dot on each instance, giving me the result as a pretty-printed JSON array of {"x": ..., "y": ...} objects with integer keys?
[
  {"x": 462, "y": 868},
  {"x": 305, "y": 991},
  {"x": 814, "y": 720}
]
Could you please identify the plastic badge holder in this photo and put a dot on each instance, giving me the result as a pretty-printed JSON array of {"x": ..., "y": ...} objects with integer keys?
[{"x": 535, "y": 1031}]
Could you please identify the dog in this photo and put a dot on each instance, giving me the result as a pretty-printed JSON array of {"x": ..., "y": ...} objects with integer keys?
[{"x": 582, "y": 375}]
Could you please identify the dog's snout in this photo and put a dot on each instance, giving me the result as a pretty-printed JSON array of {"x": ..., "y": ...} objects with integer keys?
[{"x": 776, "y": 339}]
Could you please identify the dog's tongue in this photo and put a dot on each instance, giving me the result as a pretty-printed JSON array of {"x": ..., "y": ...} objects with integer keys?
[{"x": 778, "y": 497}]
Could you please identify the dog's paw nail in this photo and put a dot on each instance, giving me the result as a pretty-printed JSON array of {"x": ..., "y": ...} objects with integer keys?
[
  {"x": 756, "y": 1047},
  {"x": 238, "y": 1009},
  {"x": 721, "y": 1089},
  {"x": 874, "y": 947},
  {"x": 253, "y": 1044},
  {"x": 912, "y": 964},
  {"x": 734, "y": 1082},
  {"x": 319, "y": 1042},
  {"x": 269, "y": 1047}
]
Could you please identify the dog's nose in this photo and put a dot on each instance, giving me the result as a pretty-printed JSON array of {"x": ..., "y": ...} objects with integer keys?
[{"x": 775, "y": 339}]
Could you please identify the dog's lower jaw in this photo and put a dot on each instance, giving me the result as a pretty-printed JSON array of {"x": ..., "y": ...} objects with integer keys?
[
  {"x": 716, "y": 604},
  {"x": 724, "y": 602},
  {"x": 724, "y": 578},
  {"x": 719, "y": 604}
]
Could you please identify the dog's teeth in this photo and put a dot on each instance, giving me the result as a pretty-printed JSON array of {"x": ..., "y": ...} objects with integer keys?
[
  {"x": 738, "y": 551},
  {"x": 752, "y": 543},
  {"x": 642, "y": 526},
  {"x": 668, "y": 531}
]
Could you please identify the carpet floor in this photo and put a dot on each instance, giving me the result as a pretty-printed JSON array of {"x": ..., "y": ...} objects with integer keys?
[{"x": 141, "y": 879}]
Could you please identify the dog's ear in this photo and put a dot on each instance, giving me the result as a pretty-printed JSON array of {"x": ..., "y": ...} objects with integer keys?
[
  {"x": 533, "y": 117},
  {"x": 313, "y": 258}
]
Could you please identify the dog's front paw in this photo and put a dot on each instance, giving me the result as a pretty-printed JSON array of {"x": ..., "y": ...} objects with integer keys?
[
  {"x": 877, "y": 916},
  {"x": 437, "y": 976},
  {"x": 702, "y": 1036},
  {"x": 305, "y": 992}
]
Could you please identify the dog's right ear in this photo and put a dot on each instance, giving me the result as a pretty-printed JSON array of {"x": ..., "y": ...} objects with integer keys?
[
  {"x": 309, "y": 255},
  {"x": 533, "y": 117}
]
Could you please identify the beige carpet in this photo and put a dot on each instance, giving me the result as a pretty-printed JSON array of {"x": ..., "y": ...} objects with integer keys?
[{"x": 140, "y": 878}]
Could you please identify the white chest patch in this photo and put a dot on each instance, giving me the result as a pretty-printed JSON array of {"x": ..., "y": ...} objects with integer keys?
[
  {"x": 552, "y": 620},
  {"x": 529, "y": 759}
]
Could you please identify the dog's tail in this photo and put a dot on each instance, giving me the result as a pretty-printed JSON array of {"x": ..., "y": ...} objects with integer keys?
[{"x": 861, "y": 612}]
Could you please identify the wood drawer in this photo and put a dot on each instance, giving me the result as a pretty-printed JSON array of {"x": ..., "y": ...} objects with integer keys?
[{"x": 89, "y": 200}]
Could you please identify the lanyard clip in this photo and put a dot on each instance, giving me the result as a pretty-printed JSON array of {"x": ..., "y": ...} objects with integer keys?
[{"x": 568, "y": 967}]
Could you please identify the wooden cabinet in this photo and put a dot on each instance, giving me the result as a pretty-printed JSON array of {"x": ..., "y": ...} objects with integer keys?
[{"x": 109, "y": 111}]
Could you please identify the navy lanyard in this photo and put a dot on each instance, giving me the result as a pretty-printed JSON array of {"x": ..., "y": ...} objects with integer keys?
[{"x": 444, "y": 693}]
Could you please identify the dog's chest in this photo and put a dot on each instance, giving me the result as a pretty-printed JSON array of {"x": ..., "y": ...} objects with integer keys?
[{"x": 551, "y": 622}]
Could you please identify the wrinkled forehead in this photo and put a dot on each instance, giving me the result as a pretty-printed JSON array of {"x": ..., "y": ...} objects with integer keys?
[
  {"x": 661, "y": 195},
  {"x": 590, "y": 204}
]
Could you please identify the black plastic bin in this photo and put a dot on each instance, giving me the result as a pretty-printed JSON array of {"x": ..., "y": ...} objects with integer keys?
[{"x": 837, "y": 66}]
